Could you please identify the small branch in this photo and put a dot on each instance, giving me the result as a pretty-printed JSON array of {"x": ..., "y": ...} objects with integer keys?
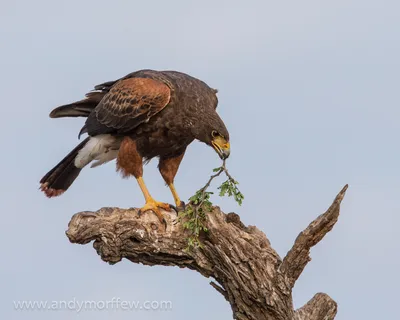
[
  {"x": 226, "y": 171},
  {"x": 194, "y": 215},
  {"x": 220, "y": 290},
  {"x": 320, "y": 307},
  {"x": 298, "y": 257},
  {"x": 203, "y": 194},
  {"x": 207, "y": 185}
]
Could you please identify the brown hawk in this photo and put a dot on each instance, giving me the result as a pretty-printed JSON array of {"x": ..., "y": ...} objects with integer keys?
[{"x": 143, "y": 115}]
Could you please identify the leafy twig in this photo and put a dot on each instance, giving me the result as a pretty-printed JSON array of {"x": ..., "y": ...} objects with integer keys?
[
  {"x": 229, "y": 187},
  {"x": 200, "y": 204}
]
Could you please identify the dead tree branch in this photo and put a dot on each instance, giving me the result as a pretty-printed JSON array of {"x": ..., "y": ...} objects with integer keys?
[
  {"x": 298, "y": 257},
  {"x": 250, "y": 274}
]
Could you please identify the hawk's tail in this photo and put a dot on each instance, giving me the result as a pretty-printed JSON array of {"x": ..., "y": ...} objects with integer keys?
[
  {"x": 59, "y": 179},
  {"x": 80, "y": 108}
]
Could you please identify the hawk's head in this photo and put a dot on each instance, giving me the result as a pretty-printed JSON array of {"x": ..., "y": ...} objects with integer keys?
[
  {"x": 220, "y": 143},
  {"x": 211, "y": 130}
]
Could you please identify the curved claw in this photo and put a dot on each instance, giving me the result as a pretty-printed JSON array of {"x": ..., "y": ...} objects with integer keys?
[
  {"x": 181, "y": 207},
  {"x": 155, "y": 206}
]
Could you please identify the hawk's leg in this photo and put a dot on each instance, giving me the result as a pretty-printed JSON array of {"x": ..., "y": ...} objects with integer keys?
[
  {"x": 130, "y": 163},
  {"x": 168, "y": 169},
  {"x": 152, "y": 204}
]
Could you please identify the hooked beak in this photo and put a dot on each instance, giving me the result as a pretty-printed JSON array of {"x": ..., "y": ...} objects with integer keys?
[{"x": 223, "y": 150}]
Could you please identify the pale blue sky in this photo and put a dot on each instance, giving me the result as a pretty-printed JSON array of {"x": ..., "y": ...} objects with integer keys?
[{"x": 309, "y": 91}]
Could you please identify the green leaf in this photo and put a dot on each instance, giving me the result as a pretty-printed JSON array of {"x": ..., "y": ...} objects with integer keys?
[{"x": 195, "y": 214}]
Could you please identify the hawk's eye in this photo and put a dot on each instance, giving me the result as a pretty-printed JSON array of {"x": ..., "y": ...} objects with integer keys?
[{"x": 214, "y": 134}]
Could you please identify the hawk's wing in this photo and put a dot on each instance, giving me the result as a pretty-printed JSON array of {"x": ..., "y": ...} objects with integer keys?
[{"x": 129, "y": 103}]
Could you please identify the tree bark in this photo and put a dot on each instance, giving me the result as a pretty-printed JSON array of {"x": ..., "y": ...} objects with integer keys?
[{"x": 247, "y": 270}]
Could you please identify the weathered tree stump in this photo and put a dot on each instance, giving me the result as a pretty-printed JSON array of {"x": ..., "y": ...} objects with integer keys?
[{"x": 247, "y": 271}]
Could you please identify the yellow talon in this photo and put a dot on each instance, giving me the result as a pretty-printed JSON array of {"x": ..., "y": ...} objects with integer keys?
[
  {"x": 152, "y": 204},
  {"x": 155, "y": 206}
]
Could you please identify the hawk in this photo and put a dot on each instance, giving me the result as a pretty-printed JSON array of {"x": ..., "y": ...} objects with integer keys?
[{"x": 144, "y": 115}]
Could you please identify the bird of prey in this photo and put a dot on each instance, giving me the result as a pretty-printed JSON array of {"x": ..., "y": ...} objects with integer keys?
[{"x": 144, "y": 115}]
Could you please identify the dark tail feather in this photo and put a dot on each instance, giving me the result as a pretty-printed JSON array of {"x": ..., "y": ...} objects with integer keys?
[
  {"x": 80, "y": 108},
  {"x": 59, "y": 179}
]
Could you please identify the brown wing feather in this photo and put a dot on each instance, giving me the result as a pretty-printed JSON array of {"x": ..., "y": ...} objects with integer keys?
[{"x": 129, "y": 103}]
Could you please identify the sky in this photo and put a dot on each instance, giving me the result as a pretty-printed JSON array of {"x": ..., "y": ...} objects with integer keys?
[{"x": 309, "y": 93}]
